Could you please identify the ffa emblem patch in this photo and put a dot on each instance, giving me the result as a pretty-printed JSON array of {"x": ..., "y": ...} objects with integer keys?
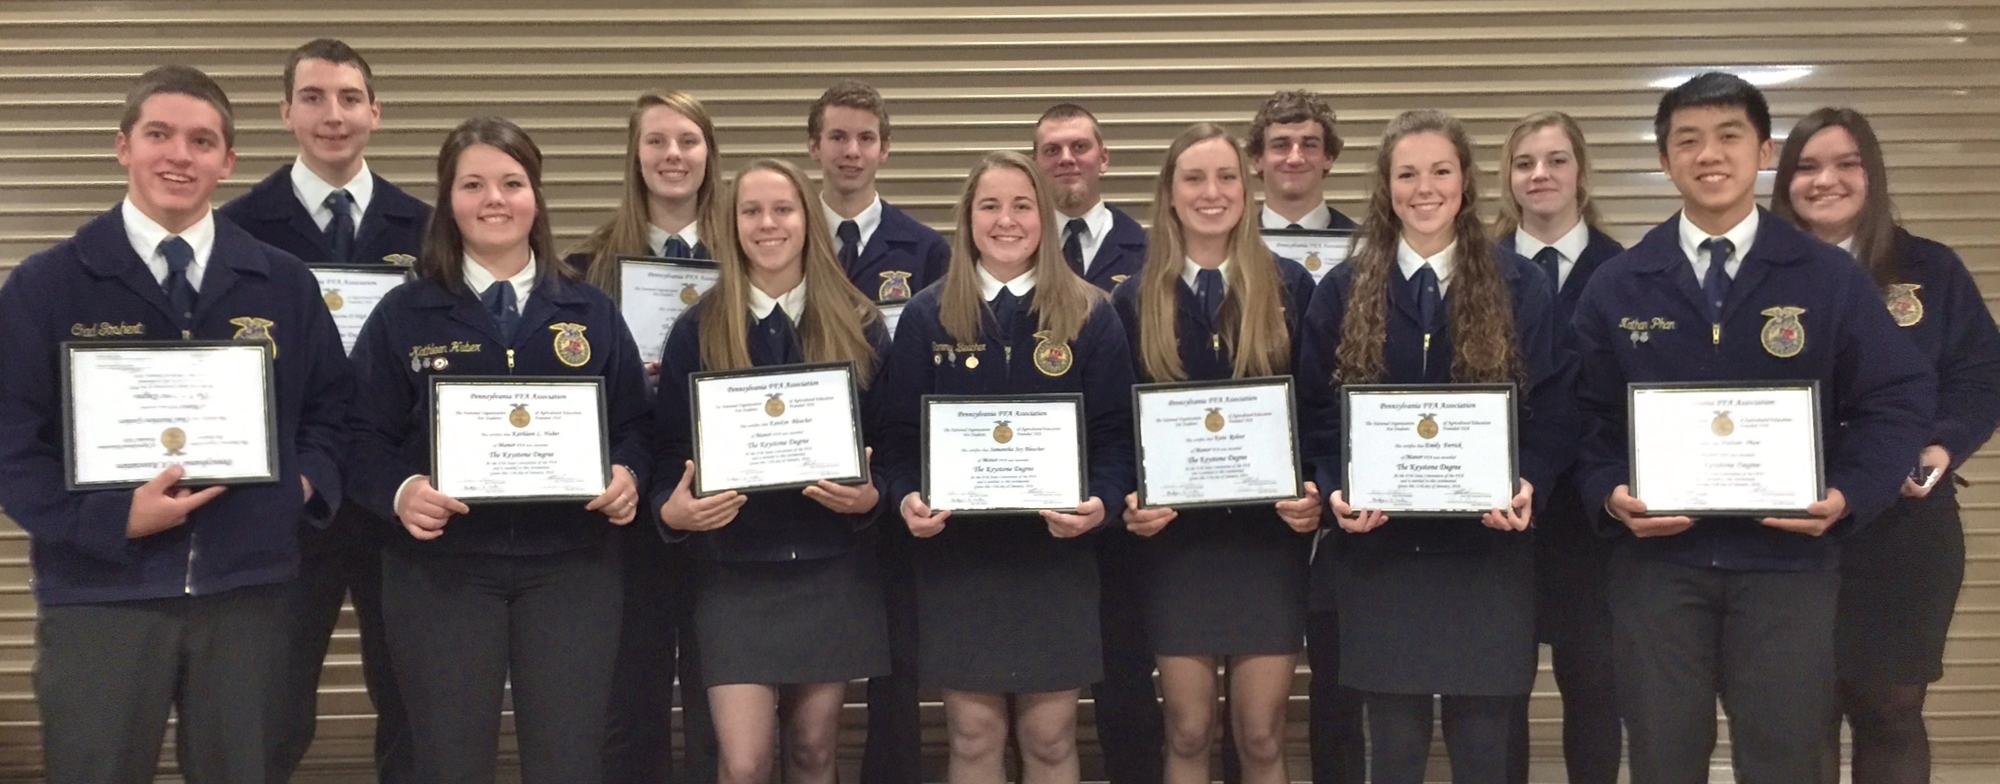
[
  {"x": 1721, "y": 424},
  {"x": 895, "y": 286},
  {"x": 173, "y": 439},
  {"x": 253, "y": 328},
  {"x": 334, "y": 301},
  {"x": 1427, "y": 427},
  {"x": 572, "y": 348},
  {"x": 1053, "y": 359},
  {"x": 1312, "y": 262},
  {"x": 775, "y": 406},
  {"x": 1904, "y": 305},
  {"x": 1002, "y": 433},
  {"x": 689, "y": 294},
  {"x": 1214, "y": 421},
  {"x": 519, "y": 417},
  {"x": 400, "y": 259},
  {"x": 1783, "y": 336}
]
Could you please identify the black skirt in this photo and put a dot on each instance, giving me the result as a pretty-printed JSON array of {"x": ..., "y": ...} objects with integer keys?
[
  {"x": 785, "y": 622},
  {"x": 1460, "y": 623},
  {"x": 1003, "y": 607},
  {"x": 1225, "y": 582},
  {"x": 1899, "y": 582}
]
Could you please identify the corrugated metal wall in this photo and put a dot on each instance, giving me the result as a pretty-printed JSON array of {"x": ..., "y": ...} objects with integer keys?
[{"x": 963, "y": 78}]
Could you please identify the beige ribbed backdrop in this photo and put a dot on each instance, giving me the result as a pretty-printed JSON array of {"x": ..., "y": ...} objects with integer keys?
[{"x": 962, "y": 78}]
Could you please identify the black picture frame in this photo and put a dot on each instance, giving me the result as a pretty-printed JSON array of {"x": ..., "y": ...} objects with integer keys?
[
  {"x": 1812, "y": 387},
  {"x": 695, "y": 380},
  {"x": 69, "y": 350},
  {"x": 1141, "y": 391},
  {"x": 1075, "y": 399},
  {"x": 1348, "y": 455},
  {"x": 438, "y": 382}
]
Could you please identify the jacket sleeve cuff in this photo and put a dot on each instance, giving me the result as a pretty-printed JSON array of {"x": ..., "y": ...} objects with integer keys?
[{"x": 101, "y": 526}]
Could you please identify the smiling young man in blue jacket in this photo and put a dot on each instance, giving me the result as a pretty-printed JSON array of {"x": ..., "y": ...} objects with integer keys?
[{"x": 134, "y": 619}]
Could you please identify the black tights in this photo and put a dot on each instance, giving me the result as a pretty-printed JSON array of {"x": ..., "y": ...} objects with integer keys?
[
  {"x": 1476, "y": 735},
  {"x": 1890, "y": 743}
]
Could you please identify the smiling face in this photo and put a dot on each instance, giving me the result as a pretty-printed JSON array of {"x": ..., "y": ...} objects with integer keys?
[
  {"x": 1713, "y": 155},
  {"x": 1295, "y": 160},
  {"x": 850, "y": 149},
  {"x": 1006, "y": 222},
  {"x": 493, "y": 202},
  {"x": 1208, "y": 190},
  {"x": 173, "y": 157},
  {"x": 1069, "y": 154},
  {"x": 673, "y": 155},
  {"x": 1831, "y": 183},
  {"x": 331, "y": 114},
  {"x": 1427, "y": 188},
  {"x": 771, "y": 229},
  {"x": 1544, "y": 174}
]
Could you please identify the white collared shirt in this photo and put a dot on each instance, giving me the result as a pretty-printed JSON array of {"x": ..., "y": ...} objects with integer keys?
[
  {"x": 989, "y": 286},
  {"x": 146, "y": 234},
  {"x": 312, "y": 192},
  {"x": 1569, "y": 248},
  {"x": 1741, "y": 236},
  {"x": 478, "y": 279},
  {"x": 868, "y": 221},
  {"x": 794, "y": 302},
  {"x": 658, "y": 236},
  {"x": 1189, "y": 269},
  {"x": 1319, "y": 219},
  {"x": 1409, "y": 262},
  {"x": 1846, "y": 245},
  {"x": 1096, "y": 225}
]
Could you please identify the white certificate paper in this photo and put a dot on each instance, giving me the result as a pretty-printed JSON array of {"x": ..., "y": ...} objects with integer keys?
[
  {"x": 351, "y": 293},
  {"x": 653, "y": 293},
  {"x": 1003, "y": 454},
  {"x": 500, "y": 438},
  {"x": 1211, "y": 444},
  {"x": 137, "y": 409},
  {"x": 1318, "y": 251},
  {"x": 892, "y": 312},
  {"x": 1430, "y": 449},
  {"x": 1749, "y": 450},
  {"x": 771, "y": 428}
]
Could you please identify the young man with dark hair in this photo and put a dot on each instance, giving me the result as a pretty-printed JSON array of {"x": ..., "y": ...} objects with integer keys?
[
  {"x": 136, "y": 618},
  {"x": 1723, "y": 292},
  {"x": 327, "y": 206},
  {"x": 1101, "y": 242},
  {"x": 1292, "y": 145},
  {"x": 887, "y": 254}
]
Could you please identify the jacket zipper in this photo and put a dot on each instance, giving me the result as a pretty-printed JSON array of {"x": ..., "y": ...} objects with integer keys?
[
  {"x": 510, "y": 361},
  {"x": 188, "y": 588},
  {"x": 1427, "y": 354}
]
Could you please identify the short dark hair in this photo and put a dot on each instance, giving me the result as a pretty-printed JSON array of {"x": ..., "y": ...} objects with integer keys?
[
  {"x": 179, "y": 80},
  {"x": 332, "y": 50},
  {"x": 1290, "y": 106},
  {"x": 1070, "y": 111},
  {"x": 1714, "y": 88},
  {"x": 849, "y": 93},
  {"x": 441, "y": 259}
]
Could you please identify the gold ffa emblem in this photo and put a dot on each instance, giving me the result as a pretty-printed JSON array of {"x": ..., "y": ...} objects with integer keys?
[
  {"x": 1427, "y": 427},
  {"x": 1002, "y": 433},
  {"x": 253, "y": 328},
  {"x": 519, "y": 417},
  {"x": 334, "y": 301},
  {"x": 173, "y": 439},
  {"x": 1783, "y": 336},
  {"x": 1721, "y": 424},
  {"x": 1313, "y": 263},
  {"x": 689, "y": 294},
  {"x": 895, "y": 286},
  {"x": 400, "y": 259},
  {"x": 1903, "y": 303},
  {"x": 775, "y": 406},
  {"x": 1214, "y": 421},
  {"x": 572, "y": 348},
  {"x": 1053, "y": 359}
]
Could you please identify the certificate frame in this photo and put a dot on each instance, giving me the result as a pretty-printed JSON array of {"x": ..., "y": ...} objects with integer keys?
[
  {"x": 69, "y": 350},
  {"x": 1322, "y": 235},
  {"x": 1347, "y": 453},
  {"x": 695, "y": 381},
  {"x": 647, "y": 345},
  {"x": 402, "y": 274},
  {"x": 1141, "y": 391},
  {"x": 1812, "y": 387},
  {"x": 603, "y": 429},
  {"x": 1082, "y": 445}
]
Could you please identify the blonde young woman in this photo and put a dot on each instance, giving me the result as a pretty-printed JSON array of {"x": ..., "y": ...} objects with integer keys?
[
  {"x": 1222, "y": 585},
  {"x": 1007, "y": 607}
]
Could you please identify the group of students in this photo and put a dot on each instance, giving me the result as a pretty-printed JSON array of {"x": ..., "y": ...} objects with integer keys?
[{"x": 765, "y": 604}]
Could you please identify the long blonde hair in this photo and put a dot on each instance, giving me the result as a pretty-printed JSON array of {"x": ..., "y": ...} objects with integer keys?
[
  {"x": 834, "y": 324},
  {"x": 1253, "y": 311},
  {"x": 1510, "y": 207},
  {"x": 1481, "y": 308},
  {"x": 626, "y": 234},
  {"x": 1062, "y": 300}
]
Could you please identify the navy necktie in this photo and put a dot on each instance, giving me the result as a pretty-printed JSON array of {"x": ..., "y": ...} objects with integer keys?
[
  {"x": 1208, "y": 292},
  {"x": 340, "y": 230},
  {"x": 1429, "y": 301},
  {"x": 1715, "y": 284},
  {"x": 676, "y": 248},
  {"x": 1551, "y": 263},
  {"x": 849, "y": 235},
  {"x": 181, "y": 295},
  {"x": 1293, "y": 227},
  {"x": 501, "y": 305},
  {"x": 1073, "y": 243},
  {"x": 1005, "y": 307}
]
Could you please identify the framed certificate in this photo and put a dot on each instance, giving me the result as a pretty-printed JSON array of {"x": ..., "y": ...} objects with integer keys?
[
  {"x": 131, "y": 409},
  {"x": 652, "y": 292},
  {"x": 776, "y": 428},
  {"x": 1726, "y": 449},
  {"x": 1216, "y": 443},
  {"x": 892, "y": 312},
  {"x": 1432, "y": 450},
  {"x": 351, "y": 292},
  {"x": 1017, "y": 453},
  {"x": 519, "y": 438},
  {"x": 1318, "y": 250}
]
